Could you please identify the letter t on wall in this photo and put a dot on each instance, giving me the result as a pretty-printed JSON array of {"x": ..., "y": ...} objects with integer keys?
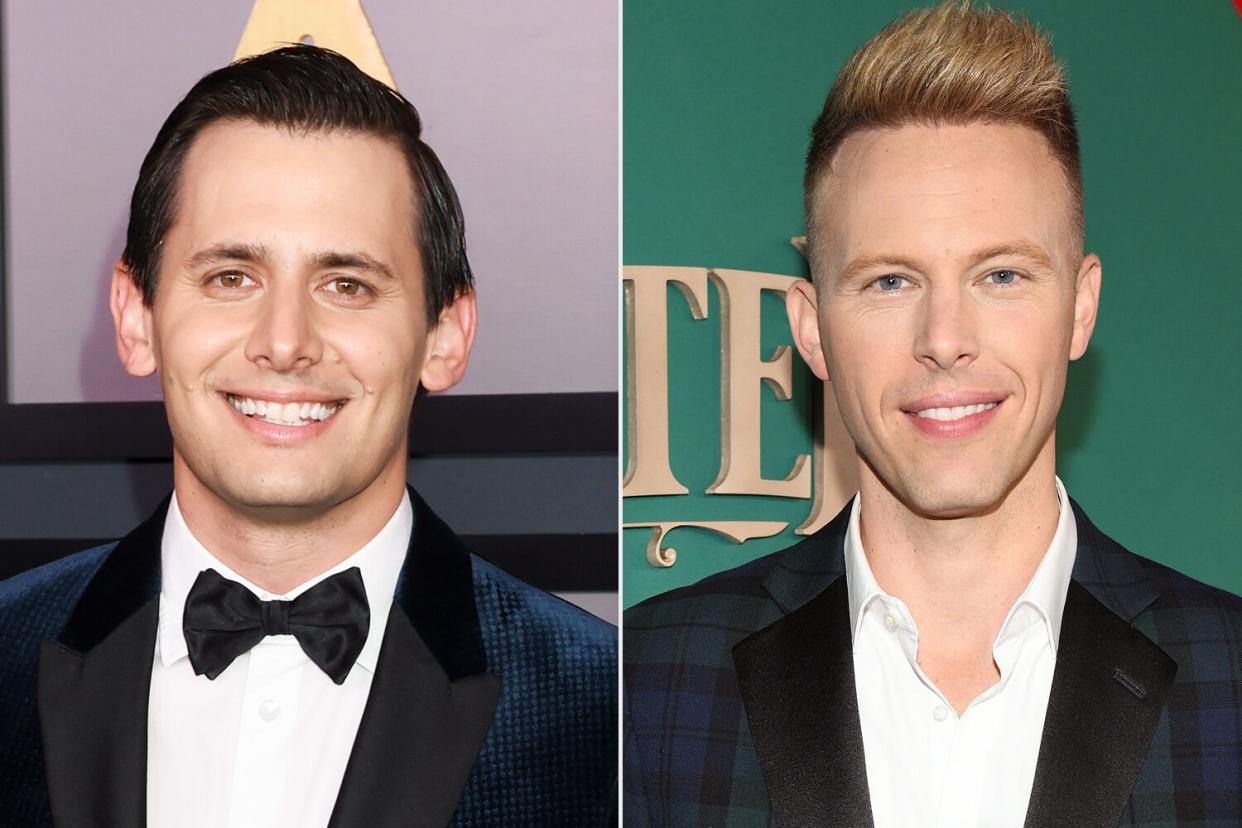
[{"x": 647, "y": 470}]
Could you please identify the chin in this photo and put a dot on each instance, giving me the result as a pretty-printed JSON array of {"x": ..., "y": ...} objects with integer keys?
[
  {"x": 946, "y": 496},
  {"x": 277, "y": 492}
]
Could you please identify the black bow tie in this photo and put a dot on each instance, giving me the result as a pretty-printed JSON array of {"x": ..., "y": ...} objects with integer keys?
[{"x": 223, "y": 619}]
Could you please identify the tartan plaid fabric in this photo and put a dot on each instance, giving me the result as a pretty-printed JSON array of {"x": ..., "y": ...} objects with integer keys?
[{"x": 690, "y": 759}]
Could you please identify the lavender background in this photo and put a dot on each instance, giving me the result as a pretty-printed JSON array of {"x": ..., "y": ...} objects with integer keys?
[{"x": 518, "y": 99}]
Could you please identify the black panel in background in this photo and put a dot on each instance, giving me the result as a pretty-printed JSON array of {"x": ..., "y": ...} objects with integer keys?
[
  {"x": 507, "y": 494},
  {"x": 453, "y": 424},
  {"x": 556, "y": 563}
]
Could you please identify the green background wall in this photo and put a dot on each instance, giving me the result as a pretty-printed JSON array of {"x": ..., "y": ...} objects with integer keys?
[{"x": 718, "y": 101}]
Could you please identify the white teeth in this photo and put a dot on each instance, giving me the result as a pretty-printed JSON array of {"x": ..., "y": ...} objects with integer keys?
[
  {"x": 288, "y": 414},
  {"x": 956, "y": 412}
]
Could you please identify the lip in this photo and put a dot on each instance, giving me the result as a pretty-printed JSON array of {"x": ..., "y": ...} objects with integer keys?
[
  {"x": 281, "y": 435},
  {"x": 967, "y": 426},
  {"x": 307, "y": 395},
  {"x": 954, "y": 399}
]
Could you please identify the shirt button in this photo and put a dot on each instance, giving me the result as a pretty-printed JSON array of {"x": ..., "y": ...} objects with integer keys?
[
  {"x": 269, "y": 710},
  {"x": 890, "y": 622},
  {"x": 940, "y": 713}
]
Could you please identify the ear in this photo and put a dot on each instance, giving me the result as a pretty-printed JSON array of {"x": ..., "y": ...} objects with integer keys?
[
  {"x": 1086, "y": 303},
  {"x": 802, "y": 306},
  {"x": 449, "y": 344},
  {"x": 134, "y": 326}
]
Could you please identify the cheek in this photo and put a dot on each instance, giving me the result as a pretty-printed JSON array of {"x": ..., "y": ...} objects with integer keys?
[
  {"x": 190, "y": 344},
  {"x": 866, "y": 355},
  {"x": 381, "y": 353},
  {"x": 1031, "y": 341}
]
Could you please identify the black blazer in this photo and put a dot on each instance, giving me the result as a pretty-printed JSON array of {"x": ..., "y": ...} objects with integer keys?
[
  {"x": 493, "y": 703},
  {"x": 740, "y": 704}
]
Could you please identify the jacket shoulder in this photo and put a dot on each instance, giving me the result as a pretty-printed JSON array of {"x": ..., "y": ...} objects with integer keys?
[
  {"x": 36, "y": 603},
  {"x": 722, "y": 608},
  {"x": 1204, "y": 613},
  {"x": 554, "y": 735},
  {"x": 513, "y": 609},
  {"x": 34, "y": 607},
  {"x": 1125, "y": 576}
]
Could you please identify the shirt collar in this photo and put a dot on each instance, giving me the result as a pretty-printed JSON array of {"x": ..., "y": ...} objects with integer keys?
[
  {"x": 1045, "y": 592},
  {"x": 182, "y": 558}
]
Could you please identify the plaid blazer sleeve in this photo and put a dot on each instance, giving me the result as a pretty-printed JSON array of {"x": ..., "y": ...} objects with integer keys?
[
  {"x": 1192, "y": 775},
  {"x": 688, "y": 757}
]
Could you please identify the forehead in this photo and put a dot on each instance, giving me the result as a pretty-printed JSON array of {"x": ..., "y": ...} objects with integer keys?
[
  {"x": 934, "y": 192},
  {"x": 242, "y": 180}
]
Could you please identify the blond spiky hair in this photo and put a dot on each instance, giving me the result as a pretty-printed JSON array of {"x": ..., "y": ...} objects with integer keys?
[{"x": 948, "y": 64}]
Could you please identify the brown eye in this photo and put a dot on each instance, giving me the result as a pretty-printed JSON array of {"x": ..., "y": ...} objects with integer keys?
[
  {"x": 231, "y": 279},
  {"x": 348, "y": 288}
]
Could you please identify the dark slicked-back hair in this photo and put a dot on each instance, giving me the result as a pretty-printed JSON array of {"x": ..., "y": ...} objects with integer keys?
[{"x": 308, "y": 89}]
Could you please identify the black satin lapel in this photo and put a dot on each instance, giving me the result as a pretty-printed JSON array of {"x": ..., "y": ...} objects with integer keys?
[
  {"x": 797, "y": 683},
  {"x": 93, "y": 715},
  {"x": 436, "y": 590},
  {"x": 1108, "y": 690},
  {"x": 418, "y": 738}
]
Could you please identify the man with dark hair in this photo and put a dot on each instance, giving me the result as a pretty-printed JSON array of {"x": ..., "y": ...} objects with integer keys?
[
  {"x": 960, "y": 645},
  {"x": 294, "y": 638}
]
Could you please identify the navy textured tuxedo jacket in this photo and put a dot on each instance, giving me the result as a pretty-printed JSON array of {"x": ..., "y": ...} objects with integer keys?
[
  {"x": 741, "y": 708},
  {"x": 493, "y": 703}
]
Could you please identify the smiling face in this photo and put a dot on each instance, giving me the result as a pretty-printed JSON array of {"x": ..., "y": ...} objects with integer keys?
[
  {"x": 289, "y": 326},
  {"x": 949, "y": 297}
]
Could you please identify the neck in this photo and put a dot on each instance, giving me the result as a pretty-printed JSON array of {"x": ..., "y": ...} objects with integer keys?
[
  {"x": 960, "y": 576},
  {"x": 278, "y": 548}
]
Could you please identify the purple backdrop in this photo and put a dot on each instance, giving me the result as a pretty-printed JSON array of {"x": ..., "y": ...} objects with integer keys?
[{"x": 518, "y": 99}]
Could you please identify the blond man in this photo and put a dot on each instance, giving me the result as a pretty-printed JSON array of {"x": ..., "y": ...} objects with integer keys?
[{"x": 960, "y": 646}]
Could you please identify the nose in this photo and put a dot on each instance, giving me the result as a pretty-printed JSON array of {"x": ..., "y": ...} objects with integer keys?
[
  {"x": 947, "y": 335},
  {"x": 285, "y": 336}
]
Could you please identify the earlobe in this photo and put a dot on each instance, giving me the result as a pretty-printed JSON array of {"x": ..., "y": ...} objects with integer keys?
[
  {"x": 1086, "y": 303},
  {"x": 134, "y": 326},
  {"x": 449, "y": 343},
  {"x": 801, "y": 304}
]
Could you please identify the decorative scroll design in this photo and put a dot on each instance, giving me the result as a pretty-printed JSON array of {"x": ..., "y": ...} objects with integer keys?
[{"x": 738, "y": 531}]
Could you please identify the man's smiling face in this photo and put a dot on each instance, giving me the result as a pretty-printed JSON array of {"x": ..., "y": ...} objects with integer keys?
[
  {"x": 951, "y": 293},
  {"x": 289, "y": 325}
]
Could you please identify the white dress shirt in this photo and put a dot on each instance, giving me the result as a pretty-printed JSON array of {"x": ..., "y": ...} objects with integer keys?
[
  {"x": 266, "y": 743},
  {"x": 926, "y": 766}
]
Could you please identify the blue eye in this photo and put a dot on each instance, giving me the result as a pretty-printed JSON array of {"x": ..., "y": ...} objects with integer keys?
[
  {"x": 1003, "y": 277},
  {"x": 890, "y": 283}
]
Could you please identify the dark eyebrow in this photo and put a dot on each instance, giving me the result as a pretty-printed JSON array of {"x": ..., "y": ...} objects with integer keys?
[
  {"x": 355, "y": 261},
  {"x": 257, "y": 253},
  {"x": 227, "y": 252},
  {"x": 1026, "y": 250}
]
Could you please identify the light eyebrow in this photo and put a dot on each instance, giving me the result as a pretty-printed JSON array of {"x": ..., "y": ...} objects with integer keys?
[
  {"x": 355, "y": 260},
  {"x": 1022, "y": 249},
  {"x": 864, "y": 263},
  {"x": 228, "y": 252}
]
